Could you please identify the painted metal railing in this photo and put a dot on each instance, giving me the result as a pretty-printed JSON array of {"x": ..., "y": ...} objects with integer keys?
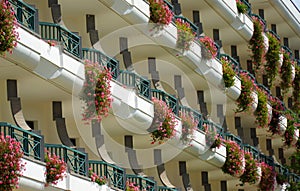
[
  {"x": 76, "y": 160},
  {"x": 169, "y": 4},
  {"x": 32, "y": 144},
  {"x": 194, "y": 28},
  {"x": 171, "y": 101},
  {"x": 234, "y": 62},
  {"x": 230, "y": 136},
  {"x": 266, "y": 159},
  {"x": 213, "y": 127},
  {"x": 281, "y": 169},
  {"x": 70, "y": 41},
  {"x": 142, "y": 182},
  {"x": 115, "y": 175},
  {"x": 197, "y": 115},
  {"x": 25, "y": 14},
  {"x": 255, "y": 153},
  {"x": 287, "y": 50},
  {"x": 101, "y": 58},
  {"x": 274, "y": 34},
  {"x": 249, "y": 9},
  {"x": 163, "y": 188},
  {"x": 292, "y": 177},
  {"x": 134, "y": 80},
  {"x": 261, "y": 19}
]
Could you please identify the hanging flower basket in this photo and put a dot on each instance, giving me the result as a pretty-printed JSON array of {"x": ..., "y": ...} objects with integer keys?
[
  {"x": 286, "y": 73},
  {"x": 262, "y": 112},
  {"x": 252, "y": 173},
  {"x": 55, "y": 168},
  {"x": 96, "y": 92},
  {"x": 185, "y": 36},
  {"x": 97, "y": 179},
  {"x": 235, "y": 160},
  {"x": 162, "y": 127},
  {"x": 268, "y": 177},
  {"x": 241, "y": 7},
  {"x": 228, "y": 73},
  {"x": 11, "y": 167},
  {"x": 211, "y": 49},
  {"x": 8, "y": 26},
  {"x": 160, "y": 16}
]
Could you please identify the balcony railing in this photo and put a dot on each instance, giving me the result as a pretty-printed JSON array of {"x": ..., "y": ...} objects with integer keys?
[
  {"x": 287, "y": 50},
  {"x": 162, "y": 188},
  {"x": 25, "y": 14},
  {"x": 115, "y": 175},
  {"x": 194, "y": 28},
  {"x": 170, "y": 100},
  {"x": 143, "y": 183},
  {"x": 213, "y": 127},
  {"x": 31, "y": 144},
  {"x": 197, "y": 116},
  {"x": 249, "y": 9},
  {"x": 70, "y": 41},
  {"x": 255, "y": 153},
  {"x": 261, "y": 19},
  {"x": 230, "y": 136},
  {"x": 236, "y": 64},
  {"x": 274, "y": 34},
  {"x": 97, "y": 56},
  {"x": 77, "y": 161},
  {"x": 134, "y": 80}
]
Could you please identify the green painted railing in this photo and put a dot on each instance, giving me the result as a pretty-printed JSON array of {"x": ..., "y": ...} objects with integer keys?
[
  {"x": 267, "y": 159},
  {"x": 143, "y": 182},
  {"x": 213, "y": 127},
  {"x": 170, "y": 100},
  {"x": 255, "y": 153},
  {"x": 236, "y": 64},
  {"x": 97, "y": 56},
  {"x": 163, "y": 188},
  {"x": 25, "y": 14},
  {"x": 76, "y": 160},
  {"x": 292, "y": 177},
  {"x": 194, "y": 28},
  {"x": 115, "y": 175},
  {"x": 197, "y": 115},
  {"x": 70, "y": 41},
  {"x": 230, "y": 136},
  {"x": 274, "y": 34},
  {"x": 134, "y": 80},
  {"x": 261, "y": 19},
  {"x": 169, "y": 4},
  {"x": 249, "y": 9},
  {"x": 281, "y": 169},
  {"x": 32, "y": 144},
  {"x": 287, "y": 50}
]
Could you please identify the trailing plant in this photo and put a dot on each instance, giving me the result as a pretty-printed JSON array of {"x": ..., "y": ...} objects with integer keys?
[
  {"x": 162, "y": 127},
  {"x": 210, "y": 46},
  {"x": 212, "y": 138},
  {"x": 296, "y": 91},
  {"x": 96, "y": 91},
  {"x": 55, "y": 168},
  {"x": 8, "y": 26},
  {"x": 235, "y": 161},
  {"x": 268, "y": 177},
  {"x": 10, "y": 163},
  {"x": 228, "y": 73},
  {"x": 293, "y": 186},
  {"x": 261, "y": 111},
  {"x": 281, "y": 179},
  {"x": 289, "y": 132},
  {"x": 286, "y": 73},
  {"x": 256, "y": 44},
  {"x": 160, "y": 14},
  {"x": 295, "y": 166},
  {"x": 251, "y": 174},
  {"x": 246, "y": 99},
  {"x": 131, "y": 186},
  {"x": 189, "y": 124},
  {"x": 97, "y": 179},
  {"x": 241, "y": 7},
  {"x": 272, "y": 59},
  {"x": 185, "y": 35},
  {"x": 277, "y": 111}
]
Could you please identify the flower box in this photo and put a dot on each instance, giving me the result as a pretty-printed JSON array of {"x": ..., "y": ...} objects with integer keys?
[
  {"x": 215, "y": 156},
  {"x": 198, "y": 142}
]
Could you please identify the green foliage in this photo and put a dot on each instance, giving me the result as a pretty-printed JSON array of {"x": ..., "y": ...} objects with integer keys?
[{"x": 272, "y": 59}]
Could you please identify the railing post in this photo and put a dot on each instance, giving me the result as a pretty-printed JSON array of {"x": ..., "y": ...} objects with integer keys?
[
  {"x": 86, "y": 166},
  {"x": 42, "y": 148}
]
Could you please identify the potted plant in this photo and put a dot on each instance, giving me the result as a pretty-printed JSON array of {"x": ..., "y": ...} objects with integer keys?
[
  {"x": 212, "y": 137},
  {"x": 8, "y": 26},
  {"x": 185, "y": 35},
  {"x": 281, "y": 178},
  {"x": 228, "y": 73},
  {"x": 55, "y": 168},
  {"x": 210, "y": 46},
  {"x": 235, "y": 160},
  {"x": 268, "y": 177},
  {"x": 11, "y": 166},
  {"x": 275, "y": 125},
  {"x": 245, "y": 99},
  {"x": 252, "y": 171},
  {"x": 289, "y": 132},
  {"x": 296, "y": 91},
  {"x": 261, "y": 111},
  {"x": 96, "y": 91},
  {"x": 131, "y": 186},
  {"x": 272, "y": 59},
  {"x": 160, "y": 14},
  {"x": 189, "y": 124},
  {"x": 162, "y": 127},
  {"x": 241, "y": 7},
  {"x": 97, "y": 179},
  {"x": 286, "y": 73},
  {"x": 256, "y": 44}
]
